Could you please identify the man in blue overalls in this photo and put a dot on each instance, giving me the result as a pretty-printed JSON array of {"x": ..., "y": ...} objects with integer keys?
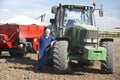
[{"x": 44, "y": 45}]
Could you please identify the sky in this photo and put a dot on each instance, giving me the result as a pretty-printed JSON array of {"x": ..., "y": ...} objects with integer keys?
[{"x": 34, "y": 8}]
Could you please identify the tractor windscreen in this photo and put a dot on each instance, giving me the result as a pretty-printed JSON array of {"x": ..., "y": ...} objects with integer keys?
[{"x": 76, "y": 15}]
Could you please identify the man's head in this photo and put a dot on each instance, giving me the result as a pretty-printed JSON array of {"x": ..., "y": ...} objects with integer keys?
[{"x": 47, "y": 31}]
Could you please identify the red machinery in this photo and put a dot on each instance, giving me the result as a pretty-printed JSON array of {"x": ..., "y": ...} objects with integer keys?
[{"x": 20, "y": 39}]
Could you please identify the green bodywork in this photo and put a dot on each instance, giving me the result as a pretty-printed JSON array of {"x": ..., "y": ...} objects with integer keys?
[
  {"x": 91, "y": 53},
  {"x": 74, "y": 33},
  {"x": 78, "y": 33}
]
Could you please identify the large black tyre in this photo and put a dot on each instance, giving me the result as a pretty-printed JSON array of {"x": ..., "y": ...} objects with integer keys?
[
  {"x": 60, "y": 52},
  {"x": 0, "y": 52},
  {"x": 18, "y": 52},
  {"x": 107, "y": 66}
]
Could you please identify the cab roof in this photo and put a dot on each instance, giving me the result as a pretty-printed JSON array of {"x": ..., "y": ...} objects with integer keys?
[{"x": 77, "y": 6}]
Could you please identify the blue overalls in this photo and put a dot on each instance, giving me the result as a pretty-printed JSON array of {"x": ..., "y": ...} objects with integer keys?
[{"x": 44, "y": 49}]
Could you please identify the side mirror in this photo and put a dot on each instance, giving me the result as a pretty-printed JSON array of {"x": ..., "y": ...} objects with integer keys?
[
  {"x": 101, "y": 12},
  {"x": 54, "y": 9},
  {"x": 52, "y": 21}
]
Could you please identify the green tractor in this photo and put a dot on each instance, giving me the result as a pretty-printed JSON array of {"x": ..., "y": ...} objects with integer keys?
[{"x": 77, "y": 39}]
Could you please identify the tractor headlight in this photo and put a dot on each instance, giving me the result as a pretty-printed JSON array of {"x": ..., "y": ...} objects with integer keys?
[
  {"x": 88, "y": 40},
  {"x": 95, "y": 40}
]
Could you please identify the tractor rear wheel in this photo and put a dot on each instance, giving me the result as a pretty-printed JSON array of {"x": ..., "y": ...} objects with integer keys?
[
  {"x": 60, "y": 62},
  {"x": 107, "y": 66}
]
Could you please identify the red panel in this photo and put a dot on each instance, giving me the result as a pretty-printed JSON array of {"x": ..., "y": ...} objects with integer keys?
[
  {"x": 31, "y": 31},
  {"x": 7, "y": 32}
]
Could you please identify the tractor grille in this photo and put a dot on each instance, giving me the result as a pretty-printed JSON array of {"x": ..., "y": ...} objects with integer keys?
[
  {"x": 87, "y": 34},
  {"x": 91, "y": 34}
]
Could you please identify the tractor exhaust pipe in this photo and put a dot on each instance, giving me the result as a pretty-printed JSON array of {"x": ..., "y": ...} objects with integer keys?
[{"x": 61, "y": 21}]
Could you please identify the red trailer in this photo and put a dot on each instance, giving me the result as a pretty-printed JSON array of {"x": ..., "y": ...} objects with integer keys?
[{"x": 18, "y": 37}]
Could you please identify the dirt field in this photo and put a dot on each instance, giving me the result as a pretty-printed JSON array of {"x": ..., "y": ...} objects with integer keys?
[{"x": 23, "y": 69}]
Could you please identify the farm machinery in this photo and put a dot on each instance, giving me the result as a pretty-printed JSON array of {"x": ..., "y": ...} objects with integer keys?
[
  {"x": 20, "y": 39},
  {"x": 77, "y": 39}
]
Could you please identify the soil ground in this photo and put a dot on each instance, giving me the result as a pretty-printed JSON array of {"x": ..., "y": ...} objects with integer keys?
[{"x": 23, "y": 69}]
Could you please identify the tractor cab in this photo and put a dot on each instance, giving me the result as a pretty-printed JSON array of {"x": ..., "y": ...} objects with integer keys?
[
  {"x": 67, "y": 16},
  {"x": 75, "y": 14}
]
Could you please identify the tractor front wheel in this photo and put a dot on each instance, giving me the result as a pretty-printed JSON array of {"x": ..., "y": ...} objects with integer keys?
[
  {"x": 107, "y": 66},
  {"x": 60, "y": 59}
]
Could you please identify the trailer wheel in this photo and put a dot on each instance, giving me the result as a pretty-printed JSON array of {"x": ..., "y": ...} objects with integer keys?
[
  {"x": 107, "y": 66},
  {"x": 60, "y": 62},
  {"x": 0, "y": 52},
  {"x": 18, "y": 52}
]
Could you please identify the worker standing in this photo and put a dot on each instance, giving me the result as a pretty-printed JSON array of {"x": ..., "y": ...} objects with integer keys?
[{"x": 44, "y": 45}]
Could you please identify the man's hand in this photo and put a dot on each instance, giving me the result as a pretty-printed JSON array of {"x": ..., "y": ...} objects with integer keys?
[
  {"x": 38, "y": 52},
  {"x": 51, "y": 45}
]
